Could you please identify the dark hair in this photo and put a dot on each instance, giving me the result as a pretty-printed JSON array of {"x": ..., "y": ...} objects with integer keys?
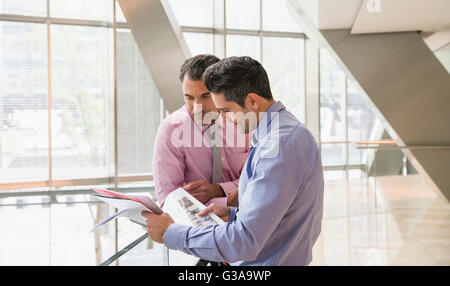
[
  {"x": 236, "y": 77},
  {"x": 195, "y": 66}
]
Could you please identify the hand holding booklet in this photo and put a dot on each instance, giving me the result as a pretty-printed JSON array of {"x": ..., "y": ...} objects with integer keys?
[{"x": 179, "y": 204}]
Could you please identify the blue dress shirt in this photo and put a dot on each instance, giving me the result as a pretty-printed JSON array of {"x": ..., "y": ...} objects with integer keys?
[{"x": 280, "y": 201}]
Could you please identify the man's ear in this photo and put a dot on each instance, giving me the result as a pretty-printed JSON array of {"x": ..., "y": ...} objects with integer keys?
[{"x": 252, "y": 101}]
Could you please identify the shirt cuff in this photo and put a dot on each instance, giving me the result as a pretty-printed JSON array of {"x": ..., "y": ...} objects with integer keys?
[
  {"x": 220, "y": 201},
  {"x": 175, "y": 236},
  {"x": 233, "y": 212},
  {"x": 227, "y": 187}
]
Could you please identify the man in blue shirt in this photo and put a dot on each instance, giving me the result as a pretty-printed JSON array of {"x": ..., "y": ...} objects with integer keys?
[{"x": 280, "y": 206}]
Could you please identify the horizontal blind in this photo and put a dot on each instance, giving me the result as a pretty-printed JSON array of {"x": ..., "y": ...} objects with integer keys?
[
  {"x": 24, "y": 7},
  {"x": 23, "y": 102},
  {"x": 82, "y": 85},
  {"x": 138, "y": 108}
]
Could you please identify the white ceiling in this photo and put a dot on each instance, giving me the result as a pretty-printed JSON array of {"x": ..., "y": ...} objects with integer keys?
[
  {"x": 394, "y": 15},
  {"x": 402, "y": 15},
  {"x": 331, "y": 14}
]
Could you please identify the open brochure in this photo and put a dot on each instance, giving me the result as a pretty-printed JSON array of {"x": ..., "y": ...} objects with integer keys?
[{"x": 179, "y": 204}]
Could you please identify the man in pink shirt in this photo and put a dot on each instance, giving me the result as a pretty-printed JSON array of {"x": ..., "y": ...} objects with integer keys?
[{"x": 184, "y": 155}]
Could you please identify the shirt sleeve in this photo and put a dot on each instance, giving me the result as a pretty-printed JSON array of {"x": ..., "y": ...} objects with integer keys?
[
  {"x": 227, "y": 187},
  {"x": 273, "y": 184},
  {"x": 168, "y": 164},
  {"x": 220, "y": 201},
  {"x": 233, "y": 212}
]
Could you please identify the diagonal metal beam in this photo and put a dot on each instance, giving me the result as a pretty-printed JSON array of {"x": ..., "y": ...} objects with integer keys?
[{"x": 161, "y": 43}]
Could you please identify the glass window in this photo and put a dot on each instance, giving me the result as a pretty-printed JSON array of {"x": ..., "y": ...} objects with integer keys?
[
  {"x": 101, "y": 10},
  {"x": 198, "y": 13},
  {"x": 138, "y": 110},
  {"x": 333, "y": 154},
  {"x": 361, "y": 118},
  {"x": 120, "y": 17},
  {"x": 361, "y": 121},
  {"x": 26, "y": 241},
  {"x": 283, "y": 60},
  {"x": 355, "y": 155},
  {"x": 24, "y": 7},
  {"x": 243, "y": 14},
  {"x": 23, "y": 102},
  {"x": 332, "y": 110},
  {"x": 332, "y": 99},
  {"x": 147, "y": 252},
  {"x": 277, "y": 16},
  {"x": 82, "y": 86},
  {"x": 55, "y": 241},
  {"x": 199, "y": 43},
  {"x": 242, "y": 45},
  {"x": 72, "y": 243}
]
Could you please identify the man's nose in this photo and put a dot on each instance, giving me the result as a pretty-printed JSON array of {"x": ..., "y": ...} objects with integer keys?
[{"x": 197, "y": 107}]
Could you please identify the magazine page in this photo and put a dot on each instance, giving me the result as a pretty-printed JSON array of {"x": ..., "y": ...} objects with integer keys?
[
  {"x": 126, "y": 208},
  {"x": 144, "y": 200},
  {"x": 183, "y": 208}
]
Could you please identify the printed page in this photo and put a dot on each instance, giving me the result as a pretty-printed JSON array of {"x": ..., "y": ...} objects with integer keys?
[{"x": 183, "y": 208}]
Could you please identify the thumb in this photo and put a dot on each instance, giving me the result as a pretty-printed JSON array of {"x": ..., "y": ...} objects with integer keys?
[
  {"x": 146, "y": 214},
  {"x": 206, "y": 211},
  {"x": 188, "y": 187},
  {"x": 192, "y": 185}
]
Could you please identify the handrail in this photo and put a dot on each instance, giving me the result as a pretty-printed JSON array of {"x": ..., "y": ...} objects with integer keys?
[
  {"x": 73, "y": 182},
  {"x": 391, "y": 145},
  {"x": 333, "y": 142},
  {"x": 405, "y": 147},
  {"x": 357, "y": 142},
  {"x": 53, "y": 195},
  {"x": 378, "y": 142}
]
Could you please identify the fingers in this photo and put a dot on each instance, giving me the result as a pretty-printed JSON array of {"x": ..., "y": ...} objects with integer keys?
[
  {"x": 147, "y": 214},
  {"x": 187, "y": 187},
  {"x": 193, "y": 185},
  {"x": 207, "y": 210},
  {"x": 152, "y": 216}
]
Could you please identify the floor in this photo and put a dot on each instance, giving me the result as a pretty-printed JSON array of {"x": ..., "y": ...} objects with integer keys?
[{"x": 395, "y": 220}]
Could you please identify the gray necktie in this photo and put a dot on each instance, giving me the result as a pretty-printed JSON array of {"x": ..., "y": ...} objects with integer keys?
[{"x": 217, "y": 157}]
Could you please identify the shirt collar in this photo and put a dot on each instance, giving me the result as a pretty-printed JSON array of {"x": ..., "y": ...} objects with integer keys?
[{"x": 265, "y": 121}]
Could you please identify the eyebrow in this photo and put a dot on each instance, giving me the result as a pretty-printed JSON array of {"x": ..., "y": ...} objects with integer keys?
[{"x": 203, "y": 94}]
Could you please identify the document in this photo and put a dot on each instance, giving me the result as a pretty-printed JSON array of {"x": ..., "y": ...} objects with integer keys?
[
  {"x": 183, "y": 208},
  {"x": 179, "y": 204}
]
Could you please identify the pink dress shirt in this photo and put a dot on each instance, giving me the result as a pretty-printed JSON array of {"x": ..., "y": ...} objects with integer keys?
[{"x": 182, "y": 154}]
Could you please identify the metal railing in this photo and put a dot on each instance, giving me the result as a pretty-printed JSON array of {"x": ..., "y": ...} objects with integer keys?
[{"x": 73, "y": 182}]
